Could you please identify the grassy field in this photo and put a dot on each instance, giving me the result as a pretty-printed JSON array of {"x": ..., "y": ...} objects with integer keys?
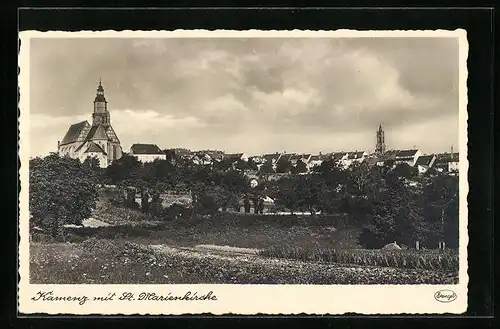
[
  {"x": 233, "y": 230},
  {"x": 102, "y": 261},
  {"x": 291, "y": 250}
]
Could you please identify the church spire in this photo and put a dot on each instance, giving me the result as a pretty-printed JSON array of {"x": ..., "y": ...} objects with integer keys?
[
  {"x": 101, "y": 114},
  {"x": 100, "y": 93},
  {"x": 380, "y": 148}
]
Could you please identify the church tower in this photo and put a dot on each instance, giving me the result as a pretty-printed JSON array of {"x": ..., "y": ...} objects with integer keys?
[
  {"x": 98, "y": 140},
  {"x": 101, "y": 114},
  {"x": 380, "y": 148}
]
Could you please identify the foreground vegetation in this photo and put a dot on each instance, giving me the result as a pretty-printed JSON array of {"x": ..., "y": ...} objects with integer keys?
[
  {"x": 360, "y": 208},
  {"x": 409, "y": 259},
  {"x": 387, "y": 203},
  {"x": 102, "y": 261}
]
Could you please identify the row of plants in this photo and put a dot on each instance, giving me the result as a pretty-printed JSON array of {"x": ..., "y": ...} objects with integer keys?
[
  {"x": 103, "y": 261},
  {"x": 409, "y": 259}
]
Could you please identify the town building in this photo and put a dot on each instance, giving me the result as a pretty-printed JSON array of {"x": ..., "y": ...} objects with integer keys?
[
  {"x": 98, "y": 140},
  {"x": 236, "y": 157},
  {"x": 425, "y": 162},
  {"x": 316, "y": 160},
  {"x": 447, "y": 162},
  {"x": 202, "y": 158},
  {"x": 272, "y": 158},
  {"x": 355, "y": 157},
  {"x": 147, "y": 152},
  {"x": 300, "y": 157},
  {"x": 396, "y": 157},
  {"x": 215, "y": 155},
  {"x": 340, "y": 158}
]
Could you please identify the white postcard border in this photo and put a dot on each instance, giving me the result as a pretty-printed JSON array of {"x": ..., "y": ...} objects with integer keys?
[{"x": 242, "y": 299}]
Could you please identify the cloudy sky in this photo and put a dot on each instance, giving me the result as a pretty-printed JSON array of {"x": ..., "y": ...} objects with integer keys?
[{"x": 251, "y": 95}]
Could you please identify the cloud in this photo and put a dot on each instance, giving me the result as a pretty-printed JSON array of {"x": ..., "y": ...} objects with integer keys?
[
  {"x": 226, "y": 91},
  {"x": 46, "y": 130},
  {"x": 289, "y": 102}
]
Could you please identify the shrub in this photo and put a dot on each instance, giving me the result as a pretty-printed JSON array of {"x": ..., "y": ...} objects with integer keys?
[
  {"x": 175, "y": 211},
  {"x": 207, "y": 205}
]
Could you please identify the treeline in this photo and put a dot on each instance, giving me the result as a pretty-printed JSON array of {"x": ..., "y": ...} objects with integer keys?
[{"x": 391, "y": 204}]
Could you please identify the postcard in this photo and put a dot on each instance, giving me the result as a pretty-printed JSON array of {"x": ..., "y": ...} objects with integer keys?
[{"x": 243, "y": 172}]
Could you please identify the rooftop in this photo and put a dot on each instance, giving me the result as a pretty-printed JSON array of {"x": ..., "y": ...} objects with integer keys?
[{"x": 145, "y": 149}]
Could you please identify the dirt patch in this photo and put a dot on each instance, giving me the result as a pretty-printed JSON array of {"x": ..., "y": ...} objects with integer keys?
[
  {"x": 227, "y": 249},
  {"x": 92, "y": 222}
]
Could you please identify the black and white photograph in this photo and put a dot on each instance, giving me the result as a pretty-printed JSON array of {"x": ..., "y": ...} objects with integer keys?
[{"x": 243, "y": 161}]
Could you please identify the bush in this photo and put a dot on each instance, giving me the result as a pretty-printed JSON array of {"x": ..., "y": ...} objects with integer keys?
[
  {"x": 175, "y": 211},
  {"x": 368, "y": 239},
  {"x": 207, "y": 205}
]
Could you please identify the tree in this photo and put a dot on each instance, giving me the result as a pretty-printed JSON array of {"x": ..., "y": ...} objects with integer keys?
[
  {"x": 61, "y": 192},
  {"x": 145, "y": 202},
  {"x": 130, "y": 198},
  {"x": 246, "y": 203},
  {"x": 358, "y": 179},
  {"x": 231, "y": 185},
  {"x": 156, "y": 206},
  {"x": 211, "y": 199},
  {"x": 158, "y": 175},
  {"x": 441, "y": 208},
  {"x": 287, "y": 195},
  {"x": 403, "y": 171},
  {"x": 125, "y": 170},
  {"x": 170, "y": 156},
  {"x": 92, "y": 169},
  {"x": 397, "y": 216},
  {"x": 224, "y": 165}
]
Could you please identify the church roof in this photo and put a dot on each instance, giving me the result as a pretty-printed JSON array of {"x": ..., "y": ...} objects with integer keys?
[
  {"x": 74, "y": 132},
  {"x": 145, "y": 149},
  {"x": 111, "y": 133},
  {"x": 97, "y": 132},
  {"x": 94, "y": 148}
]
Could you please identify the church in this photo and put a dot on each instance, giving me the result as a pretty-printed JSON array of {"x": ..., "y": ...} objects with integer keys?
[{"x": 98, "y": 140}]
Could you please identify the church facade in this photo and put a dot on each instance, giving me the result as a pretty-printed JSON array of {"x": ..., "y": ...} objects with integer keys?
[{"x": 98, "y": 140}]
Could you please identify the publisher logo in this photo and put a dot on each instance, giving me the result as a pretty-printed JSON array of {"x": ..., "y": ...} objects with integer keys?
[{"x": 445, "y": 296}]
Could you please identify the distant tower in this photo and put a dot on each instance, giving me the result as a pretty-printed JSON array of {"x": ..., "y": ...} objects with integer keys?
[
  {"x": 380, "y": 148},
  {"x": 101, "y": 114}
]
